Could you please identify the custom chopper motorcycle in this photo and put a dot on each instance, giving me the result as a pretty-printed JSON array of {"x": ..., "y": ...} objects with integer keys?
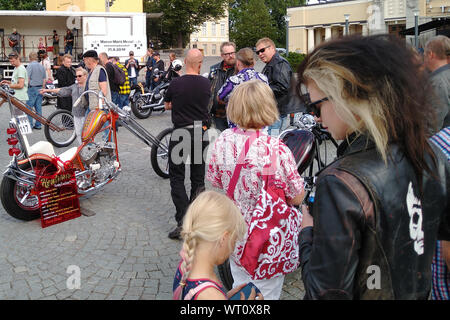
[{"x": 96, "y": 161}]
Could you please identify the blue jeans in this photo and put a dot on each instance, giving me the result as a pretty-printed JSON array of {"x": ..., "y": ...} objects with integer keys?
[
  {"x": 115, "y": 97},
  {"x": 35, "y": 101},
  {"x": 133, "y": 82},
  {"x": 123, "y": 100},
  {"x": 68, "y": 48},
  {"x": 148, "y": 80},
  {"x": 279, "y": 125}
]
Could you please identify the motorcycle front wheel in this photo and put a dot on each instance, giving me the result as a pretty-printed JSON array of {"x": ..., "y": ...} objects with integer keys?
[
  {"x": 138, "y": 111},
  {"x": 159, "y": 155},
  {"x": 63, "y": 119},
  {"x": 17, "y": 198}
]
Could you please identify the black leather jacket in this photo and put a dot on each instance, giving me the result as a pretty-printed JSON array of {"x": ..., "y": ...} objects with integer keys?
[
  {"x": 218, "y": 75},
  {"x": 279, "y": 73},
  {"x": 369, "y": 240}
]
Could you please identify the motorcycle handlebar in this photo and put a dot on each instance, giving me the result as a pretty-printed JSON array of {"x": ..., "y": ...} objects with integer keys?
[{"x": 99, "y": 95}]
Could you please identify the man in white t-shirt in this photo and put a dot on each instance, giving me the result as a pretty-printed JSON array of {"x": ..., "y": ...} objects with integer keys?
[
  {"x": 19, "y": 80},
  {"x": 132, "y": 66}
]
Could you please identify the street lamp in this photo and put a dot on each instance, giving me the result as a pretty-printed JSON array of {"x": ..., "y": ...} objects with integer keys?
[
  {"x": 416, "y": 28},
  {"x": 346, "y": 16},
  {"x": 287, "y": 18}
]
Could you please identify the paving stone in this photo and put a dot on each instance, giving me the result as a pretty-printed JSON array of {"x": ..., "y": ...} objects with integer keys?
[
  {"x": 123, "y": 251},
  {"x": 50, "y": 291}
]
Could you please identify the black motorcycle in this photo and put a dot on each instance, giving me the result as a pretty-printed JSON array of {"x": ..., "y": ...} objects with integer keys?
[
  {"x": 48, "y": 97},
  {"x": 144, "y": 101}
]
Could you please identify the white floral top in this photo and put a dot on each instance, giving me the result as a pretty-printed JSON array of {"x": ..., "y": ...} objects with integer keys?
[{"x": 225, "y": 153}]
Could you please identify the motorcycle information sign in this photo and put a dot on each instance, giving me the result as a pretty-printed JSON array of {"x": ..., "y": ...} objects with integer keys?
[{"x": 58, "y": 198}]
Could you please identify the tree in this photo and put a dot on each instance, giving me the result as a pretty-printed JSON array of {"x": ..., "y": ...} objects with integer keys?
[
  {"x": 278, "y": 10},
  {"x": 183, "y": 17},
  {"x": 241, "y": 10},
  {"x": 249, "y": 21},
  {"x": 22, "y": 5}
]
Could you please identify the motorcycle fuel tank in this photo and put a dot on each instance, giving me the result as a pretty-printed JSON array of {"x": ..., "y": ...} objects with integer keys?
[
  {"x": 94, "y": 122},
  {"x": 303, "y": 147}
]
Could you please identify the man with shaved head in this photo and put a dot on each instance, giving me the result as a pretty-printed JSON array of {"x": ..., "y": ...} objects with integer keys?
[{"x": 188, "y": 97}]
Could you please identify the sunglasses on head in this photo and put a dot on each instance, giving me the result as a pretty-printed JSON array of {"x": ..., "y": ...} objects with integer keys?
[
  {"x": 262, "y": 50},
  {"x": 313, "y": 108}
]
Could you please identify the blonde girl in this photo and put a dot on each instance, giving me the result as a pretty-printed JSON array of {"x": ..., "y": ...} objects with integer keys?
[{"x": 211, "y": 227}]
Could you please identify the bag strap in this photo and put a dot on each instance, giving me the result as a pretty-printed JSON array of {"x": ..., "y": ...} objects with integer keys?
[
  {"x": 240, "y": 164},
  {"x": 199, "y": 288}
]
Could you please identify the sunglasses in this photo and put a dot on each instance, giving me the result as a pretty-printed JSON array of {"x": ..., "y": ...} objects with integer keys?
[
  {"x": 79, "y": 75},
  {"x": 313, "y": 108},
  {"x": 262, "y": 50}
]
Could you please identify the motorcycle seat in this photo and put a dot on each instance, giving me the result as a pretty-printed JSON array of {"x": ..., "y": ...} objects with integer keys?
[
  {"x": 43, "y": 147},
  {"x": 68, "y": 155}
]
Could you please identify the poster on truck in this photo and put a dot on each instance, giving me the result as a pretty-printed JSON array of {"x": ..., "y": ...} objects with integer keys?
[{"x": 116, "y": 47}]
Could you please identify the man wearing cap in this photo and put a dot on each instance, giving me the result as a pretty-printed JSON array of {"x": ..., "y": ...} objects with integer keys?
[
  {"x": 132, "y": 66},
  {"x": 159, "y": 64},
  {"x": 97, "y": 79},
  {"x": 19, "y": 80}
]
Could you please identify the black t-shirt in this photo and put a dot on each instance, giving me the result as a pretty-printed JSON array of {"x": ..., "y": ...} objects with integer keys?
[
  {"x": 190, "y": 96},
  {"x": 69, "y": 39}
]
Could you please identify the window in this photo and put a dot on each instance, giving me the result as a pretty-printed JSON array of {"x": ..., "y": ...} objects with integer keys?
[
  {"x": 204, "y": 29},
  {"x": 214, "y": 49},
  {"x": 222, "y": 28},
  {"x": 213, "y": 29},
  {"x": 205, "y": 49}
]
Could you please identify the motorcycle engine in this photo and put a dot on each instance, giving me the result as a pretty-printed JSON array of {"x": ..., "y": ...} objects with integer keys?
[{"x": 101, "y": 159}]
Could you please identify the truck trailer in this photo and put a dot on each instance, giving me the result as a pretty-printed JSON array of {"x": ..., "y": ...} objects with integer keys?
[{"x": 116, "y": 33}]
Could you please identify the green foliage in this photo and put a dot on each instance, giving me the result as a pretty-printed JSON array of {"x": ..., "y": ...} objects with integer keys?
[
  {"x": 258, "y": 23},
  {"x": 181, "y": 18},
  {"x": 294, "y": 59},
  {"x": 249, "y": 21},
  {"x": 22, "y": 5},
  {"x": 278, "y": 10}
]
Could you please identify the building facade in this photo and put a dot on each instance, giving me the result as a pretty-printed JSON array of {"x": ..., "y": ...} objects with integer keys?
[
  {"x": 210, "y": 35},
  {"x": 96, "y": 5},
  {"x": 317, "y": 22}
]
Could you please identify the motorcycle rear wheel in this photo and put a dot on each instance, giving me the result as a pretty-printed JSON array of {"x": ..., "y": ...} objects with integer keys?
[
  {"x": 159, "y": 155},
  {"x": 63, "y": 119},
  {"x": 14, "y": 196},
  {"x": 138, "y": 111}
]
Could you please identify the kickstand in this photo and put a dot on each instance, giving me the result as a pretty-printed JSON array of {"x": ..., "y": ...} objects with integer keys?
[{"x": 87, "y": 212}]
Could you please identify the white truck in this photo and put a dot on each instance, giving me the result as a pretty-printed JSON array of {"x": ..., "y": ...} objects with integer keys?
[{"x": 115, "y": 33}]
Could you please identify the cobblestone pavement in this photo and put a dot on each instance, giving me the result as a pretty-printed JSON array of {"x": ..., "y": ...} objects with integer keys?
[{"x": 123, "y": 251}]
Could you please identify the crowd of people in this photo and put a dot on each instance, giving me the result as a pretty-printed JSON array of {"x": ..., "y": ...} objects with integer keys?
[
  {"x": 94, "y": 71},
  {"x": 382, "y": 206},
  {"x": 379, "y": 227}
]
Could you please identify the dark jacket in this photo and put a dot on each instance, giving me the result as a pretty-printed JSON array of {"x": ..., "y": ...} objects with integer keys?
[
  {"x": 65, "y": 77},
  {"x": 113, "y": 86},
  {"x": 217, "y": 76},
  {"x": 366, "y": 240},
  {"x": 279, "y": 73},
  {"x": 129, "y": 67}
]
